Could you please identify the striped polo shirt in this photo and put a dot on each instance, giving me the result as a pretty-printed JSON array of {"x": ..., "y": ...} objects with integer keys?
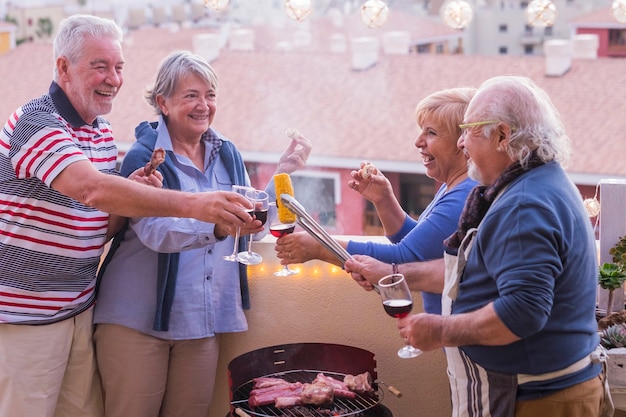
[{"x": 50, "y": 244}]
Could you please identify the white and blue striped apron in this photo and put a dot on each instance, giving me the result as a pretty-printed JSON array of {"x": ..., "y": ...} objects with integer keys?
[{"x": 475, "y": 391}]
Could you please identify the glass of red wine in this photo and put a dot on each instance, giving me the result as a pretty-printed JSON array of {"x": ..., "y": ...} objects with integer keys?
[
  {"x": 279, "y": 229},
  {"x": 398, "y": 302},
  {"x": 241, "y": 189},
  {"x": 260, "y": 201}
]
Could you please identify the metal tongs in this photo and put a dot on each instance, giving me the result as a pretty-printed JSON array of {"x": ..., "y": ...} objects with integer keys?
[{"x": 314, "y": 229}]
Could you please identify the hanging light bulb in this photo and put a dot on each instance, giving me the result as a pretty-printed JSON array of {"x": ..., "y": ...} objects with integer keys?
[
  {"x": 374, "y": 13},
  {"x": 216, "y": 4},
  {"x": 592, "y": 206},
  {"x": 457, "y": 13},
  {"x": 619, "y": 10},
  {"x": 298, "y": 9},
  {"x": 541, "y": 13}
]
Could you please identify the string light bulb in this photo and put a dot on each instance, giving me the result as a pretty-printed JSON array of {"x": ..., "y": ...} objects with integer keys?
[
  {"x": 457, "y": 14},
  {"x": 374, "y": 13},
  {"x": 619, "y": 10},
  {"x": 541, "y": 13},
  {"x": 592, "y": 206},
  {"x": 216, "y": 4},
  {"x": 298, "y": 9}
]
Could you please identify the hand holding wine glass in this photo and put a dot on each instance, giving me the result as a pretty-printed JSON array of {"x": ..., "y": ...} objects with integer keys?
[
  {"x": 260, "y": 201},
  {"x": 241, "y": 189},
  {"x": 279, "y": 229},
  {"x": 398, "y": 302}
]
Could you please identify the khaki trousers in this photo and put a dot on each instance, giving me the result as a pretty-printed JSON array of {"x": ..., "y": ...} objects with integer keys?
[
  {"x": 581, "y": 400},
  {"x": 144, "y": 376},
  {"x": 49, "y": 370}
]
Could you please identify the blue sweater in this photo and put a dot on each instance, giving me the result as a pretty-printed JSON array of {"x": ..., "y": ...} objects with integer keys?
[
  {"x": 422, "y": 240},
  {"x": 534, "y": 256}
]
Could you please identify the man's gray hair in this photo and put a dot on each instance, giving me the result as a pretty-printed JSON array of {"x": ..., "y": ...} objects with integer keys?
[
  {"x": 176, "y": 66},
  {"x": 75, "y": 30},
  {"x": 536, "y": 124}
]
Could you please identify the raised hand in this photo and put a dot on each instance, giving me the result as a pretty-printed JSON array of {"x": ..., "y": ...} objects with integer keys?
[
  {"x": 371, "y": 184},
  {"x": 296, "y": 154}
]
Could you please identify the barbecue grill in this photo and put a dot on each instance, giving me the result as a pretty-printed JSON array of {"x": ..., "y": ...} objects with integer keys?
[{"x": 301, "y": 362}]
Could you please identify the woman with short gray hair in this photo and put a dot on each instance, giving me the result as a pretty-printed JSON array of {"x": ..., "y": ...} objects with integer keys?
[{"x": 166, "y": 292}]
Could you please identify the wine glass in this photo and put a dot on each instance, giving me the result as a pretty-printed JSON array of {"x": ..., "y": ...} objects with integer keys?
[
  {"x": 260, "y": 201},
  {"x": 280, "y": 229},
  {"x": 398, "y": 303},
  {"x": 241, "y": 189}
]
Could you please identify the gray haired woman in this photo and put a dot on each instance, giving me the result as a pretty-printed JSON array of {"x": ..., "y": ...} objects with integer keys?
[{"x": 165, "y": 290}]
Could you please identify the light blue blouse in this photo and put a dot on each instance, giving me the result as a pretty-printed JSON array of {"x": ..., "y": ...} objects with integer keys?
[{"x": 207, "y": 299}]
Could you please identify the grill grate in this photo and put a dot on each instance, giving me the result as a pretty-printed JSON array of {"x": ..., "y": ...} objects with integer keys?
[{"x": 356, "y": 407}]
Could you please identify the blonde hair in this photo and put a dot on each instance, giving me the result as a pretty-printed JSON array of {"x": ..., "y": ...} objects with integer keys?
[{"x": 447, "y": 107}]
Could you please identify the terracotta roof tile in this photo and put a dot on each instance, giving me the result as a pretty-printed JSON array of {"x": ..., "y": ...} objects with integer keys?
[
  {"x": 603, "y": 16},
  {"x": 347, "y": 114}
]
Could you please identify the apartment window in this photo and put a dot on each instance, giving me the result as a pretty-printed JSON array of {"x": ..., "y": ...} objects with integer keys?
[
  {"x": 416, "y": 192},
  {"x": 528, "y": 30},
  {"x": 319, "y": 193},
  {"x": 617, "y": 37},
  {"x": 503, "y": 28},
  {"x": 503, "y": 50},
  {"x": 529, "y": 50},
  {"x": 548, "y": 30}
]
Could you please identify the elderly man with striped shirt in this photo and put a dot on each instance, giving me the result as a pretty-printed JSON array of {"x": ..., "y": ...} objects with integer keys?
[{"x": 61, "y": 201}]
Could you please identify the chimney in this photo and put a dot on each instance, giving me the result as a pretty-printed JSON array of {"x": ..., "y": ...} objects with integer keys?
[
  {"x": 586, "y": 46},
  {"x": 396, "y": 43},
  {"x": 302, "y": 38},
  {"x": 241, "y": 40},
  {"x": 364, "y": 52},
  {"x": 336, "y": 17},
  {"x": 558, "y": 55},
  {"x": 207, "y": 45},
  {"x": 338, "y": 43}
]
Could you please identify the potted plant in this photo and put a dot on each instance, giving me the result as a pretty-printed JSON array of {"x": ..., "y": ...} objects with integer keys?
[
  {"x": 612, "y": 275},
  {"x": 612, "y": 327}
]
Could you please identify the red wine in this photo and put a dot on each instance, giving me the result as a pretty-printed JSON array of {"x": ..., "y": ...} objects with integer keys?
[
  {"x": 280, "y": 230},
  {"x": 398, "y": 308},
  {"x": 261, "y": 215}
]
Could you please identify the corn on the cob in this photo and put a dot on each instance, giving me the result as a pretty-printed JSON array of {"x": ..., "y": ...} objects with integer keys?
[{"x": 282, "y": 184}]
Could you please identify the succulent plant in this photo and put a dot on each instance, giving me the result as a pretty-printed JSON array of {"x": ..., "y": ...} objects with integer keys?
[
  {"x": 618, "y": 252},
  {"x": 614, "y": 336},
  {"x": 611, "y": 275}
]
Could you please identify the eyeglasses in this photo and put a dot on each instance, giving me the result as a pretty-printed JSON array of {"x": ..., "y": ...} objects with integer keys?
[{"x": 465, "y": 126}]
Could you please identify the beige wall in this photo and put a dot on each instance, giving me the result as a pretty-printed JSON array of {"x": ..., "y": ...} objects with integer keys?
[
  {"x": 28, "y": 18},
  {"x": 322, "y": 304}
]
